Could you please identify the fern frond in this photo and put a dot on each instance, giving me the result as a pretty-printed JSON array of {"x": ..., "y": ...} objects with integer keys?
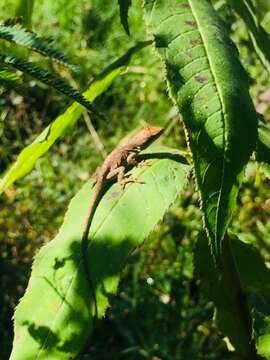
[
  {"x": 49, "y": 79},
  {"x": 12, "y": 21},
  {"x": 9, "y": 79},
  {"x": 21, "y": 36}
]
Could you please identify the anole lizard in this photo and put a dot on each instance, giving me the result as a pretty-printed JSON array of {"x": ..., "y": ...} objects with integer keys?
[{"x": 114, "y": 167}]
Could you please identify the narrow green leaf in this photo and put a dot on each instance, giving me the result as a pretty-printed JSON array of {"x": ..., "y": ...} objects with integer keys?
[
  {"x": 208, "y": 84},
  {"x": 25, "y": 9},
  {"x": 124, "y": 6},
  {"x": 259, "y": 37},
  {"x": 55, "y": 317},
  {"x": 230, "y": 297},
  {"x": 263, "y": 148},
  {"x": 19, "y": 35},
  {"x": 262, "y": 8}
]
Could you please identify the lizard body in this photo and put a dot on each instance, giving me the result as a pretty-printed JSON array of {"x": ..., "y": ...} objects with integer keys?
[{"x": 114, "y": 167}]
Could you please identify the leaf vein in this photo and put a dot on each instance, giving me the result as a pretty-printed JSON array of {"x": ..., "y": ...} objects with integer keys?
[
  {"x": 192, "y": 62},
  {"x": 178, "y": 36}
]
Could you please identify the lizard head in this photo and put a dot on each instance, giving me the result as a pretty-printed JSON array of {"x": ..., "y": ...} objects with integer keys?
[
  {"x": 148, "y": 134},
  {"x": 154, "y": 131}
]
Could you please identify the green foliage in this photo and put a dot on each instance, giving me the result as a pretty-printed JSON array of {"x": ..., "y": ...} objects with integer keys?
[
  {"x": 159, "y": 311},
  {"x": 28, "y": 157},
  {"x": 263, "y": 148},
  {"x": 202, "y": 63},
  {"x": 49, "y": 79},
  {"x": 260, "y": 38},
  {"x": 9, "y": 79},
  {"x": 244, "y": 287},
  {"x": 19, "y": 35},
  {"x": 262, "y": 8},
  {"x": 41, "y": 329}
]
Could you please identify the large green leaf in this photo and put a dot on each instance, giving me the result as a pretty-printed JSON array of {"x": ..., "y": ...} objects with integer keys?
[
  {"x": 260, "y": 38},
  {"x": 210, "y": 88},
  {"x": 55, "y": 317},
  {"x": 29, "y": 155},
  {"x": 241, "y": 297}
]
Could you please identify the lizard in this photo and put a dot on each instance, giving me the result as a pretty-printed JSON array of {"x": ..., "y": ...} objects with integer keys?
[{"x": 114, "y": 166}]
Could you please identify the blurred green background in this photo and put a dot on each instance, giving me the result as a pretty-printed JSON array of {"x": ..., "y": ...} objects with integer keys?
[{"x": 159, "y": 312}]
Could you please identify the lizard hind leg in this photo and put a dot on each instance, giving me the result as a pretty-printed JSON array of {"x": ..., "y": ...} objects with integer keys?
[
  {"x": 122, "y": 180},
  {"x": 129, "y": 179}
]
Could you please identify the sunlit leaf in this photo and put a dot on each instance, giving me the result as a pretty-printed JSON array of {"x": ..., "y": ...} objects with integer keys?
[{"x": 55, "y": 317}]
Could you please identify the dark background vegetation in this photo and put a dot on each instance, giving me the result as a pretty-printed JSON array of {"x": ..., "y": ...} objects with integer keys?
[{"x": 159, "y": 312}]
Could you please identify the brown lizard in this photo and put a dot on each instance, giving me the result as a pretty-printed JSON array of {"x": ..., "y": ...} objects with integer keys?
[{"x": 114, "y": 167}]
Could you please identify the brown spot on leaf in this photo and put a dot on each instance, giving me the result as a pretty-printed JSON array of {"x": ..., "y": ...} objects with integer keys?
[
  {"x": 190, "y": 23},
  {"x": 200, "y": 98},
  {"x": 185, "y": 6},
  {"x": 114, "y": 194},
  {"x": 189, "y": 54},
  {"x": 200, "y": 78},
  {"x": 195, "y": 41}
]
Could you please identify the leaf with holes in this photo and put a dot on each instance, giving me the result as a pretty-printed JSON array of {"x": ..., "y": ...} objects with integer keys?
[
  {"x": 55, "y": 317},
  {"x": 208, "y": 84}
]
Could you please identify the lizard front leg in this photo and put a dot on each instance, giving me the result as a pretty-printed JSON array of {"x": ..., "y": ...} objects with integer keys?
[
  {"x": 131, "y": 159},
  {"x": 119, "y": 172}
]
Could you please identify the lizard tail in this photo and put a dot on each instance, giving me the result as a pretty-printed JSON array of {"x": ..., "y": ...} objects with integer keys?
[{"x": 85, "y": 242}]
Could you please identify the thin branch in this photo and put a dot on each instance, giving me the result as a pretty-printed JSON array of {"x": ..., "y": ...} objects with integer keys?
[{"x": 94, "y": 134}]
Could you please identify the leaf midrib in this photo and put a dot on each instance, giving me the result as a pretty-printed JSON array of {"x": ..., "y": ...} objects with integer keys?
[{"x": 220, "y": 95}]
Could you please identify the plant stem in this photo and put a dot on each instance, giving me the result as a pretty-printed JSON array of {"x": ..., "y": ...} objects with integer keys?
[{"x": 231, "y": 281}]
